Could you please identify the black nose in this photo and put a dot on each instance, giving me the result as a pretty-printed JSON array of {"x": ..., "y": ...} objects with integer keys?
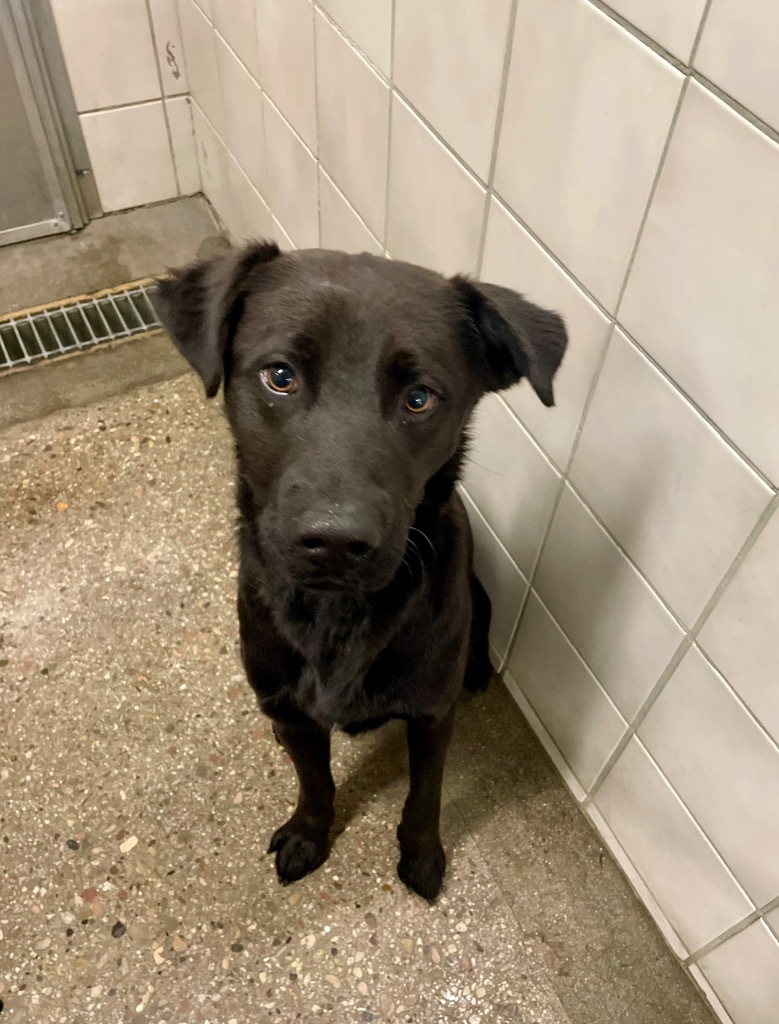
[{"x": 344, "y": 535}]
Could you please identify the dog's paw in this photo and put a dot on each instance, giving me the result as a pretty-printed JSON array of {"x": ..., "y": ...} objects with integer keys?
[
  {"x": 299, "y": 850},
  {"x": 422, "y": 865}
]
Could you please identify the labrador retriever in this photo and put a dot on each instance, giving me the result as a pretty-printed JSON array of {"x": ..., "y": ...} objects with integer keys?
[{"x": 349, "y": 381}]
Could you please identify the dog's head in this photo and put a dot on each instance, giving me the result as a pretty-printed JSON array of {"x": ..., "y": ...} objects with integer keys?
[{"x": 348, "y": 383}]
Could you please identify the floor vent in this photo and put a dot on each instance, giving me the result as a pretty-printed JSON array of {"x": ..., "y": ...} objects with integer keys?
[{"x": 62, "y": 328}]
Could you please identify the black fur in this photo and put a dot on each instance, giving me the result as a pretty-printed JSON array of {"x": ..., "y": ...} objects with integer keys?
[{"x": 356, "y": 597}]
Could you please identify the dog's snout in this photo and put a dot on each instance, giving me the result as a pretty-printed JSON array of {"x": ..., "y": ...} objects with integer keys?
[{"x": 347, "y": 535}]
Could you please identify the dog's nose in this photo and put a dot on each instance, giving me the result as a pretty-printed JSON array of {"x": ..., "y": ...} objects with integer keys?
[{"x": 345, "y": 535}]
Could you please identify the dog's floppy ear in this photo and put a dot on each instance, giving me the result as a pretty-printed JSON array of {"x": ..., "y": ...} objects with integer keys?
[
  {"x": 511, "y": 338},
  {"x": 200, "y": 306}
]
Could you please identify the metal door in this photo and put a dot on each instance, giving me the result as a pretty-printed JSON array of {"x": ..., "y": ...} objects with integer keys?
[{"x": 40, "y": 191}]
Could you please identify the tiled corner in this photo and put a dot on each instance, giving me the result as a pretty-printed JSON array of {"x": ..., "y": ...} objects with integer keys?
[
  {"x": 717, "y": 337},
  {"x": 672, "y": 24},
  {"x": 691, "y": 884},
  {"x": 514, "y": 259},
  {"x": 182, "y": 139},
  {"x": 249, "y": 218},
  {"x": 568, "y": 699},
  {"x": 170, "y": 47},
  {"x": 448, "y": 62},
  {"x": 738, "y": 52},
  {"x": 292, "y": 180},
  {"x": 583, "y": 190},
  {"x": 341, "y": 226},
  {"x": 368, "y": 25},
  {"x": 285, "y": 30},
  {"x": 243, "y": 115},
  {"x": 744, "y": 971},
  {"x": 772, "y": 920},
  {"x": 214, "y": 166},
  {"x": 741, "y": 636},
  {"x": 608, "y": 611},
  {"x": 130, "y": 155},
  {"x": 353, "y": 109},
  {"x": 723, "y": 766},
  {"x": 108, "y": 51},
  {"x": 499, "y": 576},
  {"x": 200, "y": 55},
  {"x": 673, "y": 493},
  {"x": 510, "y": 480},
  {"x": 435, "y": 206},
  {"x": 236, "y": 21}
]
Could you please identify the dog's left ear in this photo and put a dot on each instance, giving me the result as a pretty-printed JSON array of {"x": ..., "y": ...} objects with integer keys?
[
  {"x": 200, "y": 307},
  {"x": 511, "y": 338}
]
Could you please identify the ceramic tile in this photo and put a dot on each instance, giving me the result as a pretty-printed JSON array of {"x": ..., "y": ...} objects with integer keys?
[
  {"x": 342, "y": 227},
  {"x": 565, "y": 695},
  {"x": 213, "y": 162},
  {"x": 716, "y": 335},
  {"x": 676, "y": 497},
  {"x": 514, "y": 259},
  {"x": 292, "y": 180},
  {"x": 583, "y": 189},
  {"x": 205, "y": 7},
  {"x": 353, "y": 124},
  {"x": 738, "y": 50},
  {"x": 744, "y": 971},
  {"x": 499, "y": 576},
  {"x": 368, "y": 25},
  {"x": 684, "y": 873},
  {"x": 740, "y": 635},
  {"x": 772, "y": 920},
  {"x": 434, "y": 42},
  {"x": 170, "y": 47},
  {"x": 243, "y": 115},
  {"x": 130, "y": 155},
  {"x": 672, "y": 24},
  {"x": 436, "y": 206},
  {"x": 182, "y": 138},
  {"x": 510, "y": 480},
  {"x": 108, "y": 51},
  {"x": 200, "y": 55},
  {"x": 249, "y": 217},
  {"x": 723, "y": 766},
  {"x": 606, "y": 609},
  {"x": 286, "y": 43},
  {"x": 236, "y": 22}
]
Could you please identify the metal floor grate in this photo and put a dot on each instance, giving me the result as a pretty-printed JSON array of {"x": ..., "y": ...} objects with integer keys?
[{"x": 69, "y": 326}]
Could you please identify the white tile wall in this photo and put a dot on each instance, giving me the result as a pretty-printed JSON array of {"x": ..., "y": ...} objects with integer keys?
[
  {"x": 286, "y": 40},
  {"x": 671, "y": 23},
  {"x": 341, "y": 225},
  {"x": 581, "y": 177},
  {"x": 130, "y": 155},
  {"x": 292, "y": 180},
  {"x": 611, "y": 615},
  {"x": 745, "y": 974},
  {"x": 738, "y": 52},
  {"x": 448, "y": 63},
  {"x": 170, "y": 47},
  {"x": 368, "y": 25},
  {"x": 353, "y": 109},
  {"x": 678, "y": 499},
  {"x": 250, "y": 217},
  {"x": 214, "y": 166},
  {"x": 514, "y": 259},
  {"x": 435, "y": 206},
  {"x": 695, "y": 890},
  {"x": 236, "y": 21},
  {"x": 242, "y": 124},
  {"x": 202, "y": 68},
  {"x": 182, "y": 138},
  {"x": 725, "y": 768},
  {"x": 713, "y": 226},
  {"x": 571, "y": 703}
]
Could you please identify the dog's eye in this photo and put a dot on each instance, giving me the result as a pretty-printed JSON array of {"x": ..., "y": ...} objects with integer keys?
[
  {"x": 280, "y": 378},
  {"x": 420, "y": 400}
]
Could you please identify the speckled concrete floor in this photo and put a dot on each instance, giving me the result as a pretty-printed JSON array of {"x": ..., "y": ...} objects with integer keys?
[{"x": 139, "y": 786}]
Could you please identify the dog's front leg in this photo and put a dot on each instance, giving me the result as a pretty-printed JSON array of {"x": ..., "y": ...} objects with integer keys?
[
  {"x": 301, "y": 845},
  {"x": 422, "y": 859}
]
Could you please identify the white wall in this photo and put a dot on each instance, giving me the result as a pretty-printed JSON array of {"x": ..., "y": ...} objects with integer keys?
[
  {"x": 601, "y": 161},
  {"x": 126, "y": 65}
]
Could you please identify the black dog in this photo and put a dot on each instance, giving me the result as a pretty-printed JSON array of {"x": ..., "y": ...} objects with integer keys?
[{"x": 349, "y": 382}]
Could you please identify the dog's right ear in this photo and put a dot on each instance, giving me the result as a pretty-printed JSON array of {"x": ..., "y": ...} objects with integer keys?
[{"x": 200, "y": 307}]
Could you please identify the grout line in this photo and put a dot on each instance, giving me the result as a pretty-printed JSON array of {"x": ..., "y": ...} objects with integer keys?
[
  {"x": 738, "y": 108},
  {"x": 345, "y": 198},
  {"x": 356, "y": 46},
  {"x": 699, "y": 33},
  {"x": 497, "y": 133},
  {"x": 316, "y": 124},
  {"x": 684, "y": 647},
  {"x": 639, "y": 34},
  {"x": 734, "y": 929},
  {"x": 389, "y": 132},
  {"x": 168, "y": 132},
  {"x": 124, "y": 106}
]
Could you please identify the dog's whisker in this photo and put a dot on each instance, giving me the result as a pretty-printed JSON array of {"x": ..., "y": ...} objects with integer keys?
[{"x": 415, "y": 529}]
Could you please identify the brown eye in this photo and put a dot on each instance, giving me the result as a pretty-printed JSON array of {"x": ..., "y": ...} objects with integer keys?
[
  {"x": 280, "y": 378},
  {"x": 420, "y": 400}
]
